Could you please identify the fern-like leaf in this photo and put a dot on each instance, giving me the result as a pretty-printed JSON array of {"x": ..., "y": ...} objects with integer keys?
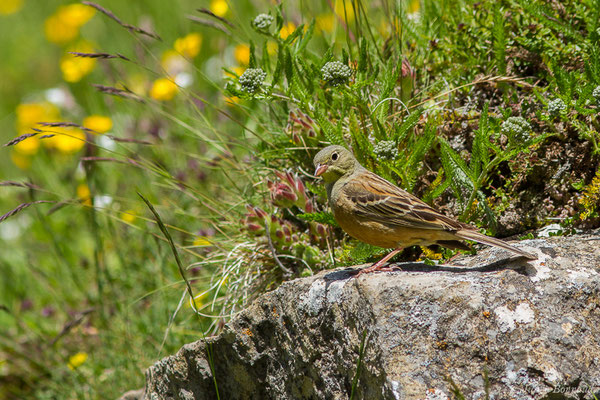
[
  {"x": 407, "y": 126},
  {"x": 499, "y": 34},
  {"x": 363, "y": 252},
  {"x": 322, "y": 217},
  {"x": 306, "y": 38}
]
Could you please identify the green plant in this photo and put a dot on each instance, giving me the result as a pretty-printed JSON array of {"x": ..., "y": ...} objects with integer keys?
[
  {"x": 488, "y": 153},
  {"x": 358, "y": 364}
]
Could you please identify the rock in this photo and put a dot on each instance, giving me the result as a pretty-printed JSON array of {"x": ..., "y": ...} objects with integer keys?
[{"x": 488, "y": 324}]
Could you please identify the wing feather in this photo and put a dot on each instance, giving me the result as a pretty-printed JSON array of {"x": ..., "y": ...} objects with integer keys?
[{"x": 379, "y": 200}]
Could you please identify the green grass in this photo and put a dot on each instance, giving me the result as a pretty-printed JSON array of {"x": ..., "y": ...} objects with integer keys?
[{"x": 430, "y": 103}]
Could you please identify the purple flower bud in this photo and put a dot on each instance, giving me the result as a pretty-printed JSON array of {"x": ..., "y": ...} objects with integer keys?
[
  {"x": 300, "y": 186},
  {"x": 282, "y": 195},
  {"x": 321, "y": 229},
  {"x": 26, "y": 305},
  {"x": 48, "y": 311},
  {"x": 305, "y": 124},
  {"x": 308, "y": 206},
  {"x": 407, "y": 80},
  {"x": 290, "y": 178},
  {"x": 260, "y": 213},
  {"x": 296, "y": 138},
  {"x": 287, "y": 230},
  {"x": 407, "y": 70},
  {"x": 253, "y": 227}
]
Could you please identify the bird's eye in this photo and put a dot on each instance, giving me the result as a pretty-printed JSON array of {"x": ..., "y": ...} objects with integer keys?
[{"x": 334, "y": 156}]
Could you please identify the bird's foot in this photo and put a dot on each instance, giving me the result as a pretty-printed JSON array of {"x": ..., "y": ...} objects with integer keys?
[
  {"x": 379, "y": 265},
  {"x": 374, "y": 268}
]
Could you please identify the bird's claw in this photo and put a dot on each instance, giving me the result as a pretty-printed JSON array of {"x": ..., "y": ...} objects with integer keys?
[{"x": 374, "y": 268}]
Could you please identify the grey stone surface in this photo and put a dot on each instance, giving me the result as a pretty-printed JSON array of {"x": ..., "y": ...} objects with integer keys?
[{"x": 488, "y": 323}]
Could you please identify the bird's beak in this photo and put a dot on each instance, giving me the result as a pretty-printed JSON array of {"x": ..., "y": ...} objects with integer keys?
[{"x": 320, "y": 169}]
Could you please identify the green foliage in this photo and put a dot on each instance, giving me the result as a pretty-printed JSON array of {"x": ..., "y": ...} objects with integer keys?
[
  {"x": 499, "y": 35},
  {"x": 468, "y": 179},
  {"x": 363, "y": 252},
  {"x": 322, "y": 217}
]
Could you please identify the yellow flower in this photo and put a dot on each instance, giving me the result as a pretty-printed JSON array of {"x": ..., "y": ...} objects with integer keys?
[
  {"x": 75, "y": 68},
  {"x": 63, "y": 26},
  {"x": 237, "y": 70},
  {"x": 66, "y": 140},
  {"x": 76, "y": 13},
  {"x": 591, "y": 197},
  {"x": 385, "y": 28},
  {"x": 10, "y": 6},
  {"x": 242, "y": 54},
  {"x": 287, "y": 30},
  {"x": 232, "y": 101},
  {"x": 58, "y": 31},
  {"x": 271, "y": 47},
  {"x": 76, "y": 360},
  {"x": 219, "y": 7},
  {"x": 163, "y": 89},
  {"x": 84, "y": 194},
  {"x": 128, "y": 216},
  {"x": 98, "y": 123},
  {"x": 28, "y": 146},
  {"x": 432, "y": 255},
  {"x": 414, "y": 6},
  {"x": 325, "y": 22},
  {"x": 28, "y": 117},
  {"x": 344, "y": 9},
  {"x": 201, "y": 241},
  {"x": 30, "y": 114},
  {"x": 198, "y": 301},
  {"x": 22, "y": 161},
  {"x": 189, "y": 45}
]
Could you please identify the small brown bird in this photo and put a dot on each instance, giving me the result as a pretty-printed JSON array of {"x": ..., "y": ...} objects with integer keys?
[{"x": 379, "y": 213}]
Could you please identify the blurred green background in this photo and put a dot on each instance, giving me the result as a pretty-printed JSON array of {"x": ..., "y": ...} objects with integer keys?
[{"x": 66, "y": 276}]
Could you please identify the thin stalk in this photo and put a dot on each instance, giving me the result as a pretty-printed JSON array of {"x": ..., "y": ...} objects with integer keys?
[{"x": 358, "y": 364}]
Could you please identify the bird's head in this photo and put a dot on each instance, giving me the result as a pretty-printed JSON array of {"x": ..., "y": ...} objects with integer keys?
[{"x": 333, "y": 162}]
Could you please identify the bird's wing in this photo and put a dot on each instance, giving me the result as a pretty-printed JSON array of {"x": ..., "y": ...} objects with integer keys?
[{"x": 376, "y": 199}]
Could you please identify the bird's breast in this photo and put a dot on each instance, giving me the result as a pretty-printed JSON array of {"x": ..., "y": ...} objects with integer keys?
[{"x": 373, "y": 232}]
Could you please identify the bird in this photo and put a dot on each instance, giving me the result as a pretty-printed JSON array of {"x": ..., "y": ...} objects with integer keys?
[{"x": 377, "y": 212}]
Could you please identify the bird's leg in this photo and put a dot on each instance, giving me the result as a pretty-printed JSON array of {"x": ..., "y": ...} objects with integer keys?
[{"x": 378, "y": 266}]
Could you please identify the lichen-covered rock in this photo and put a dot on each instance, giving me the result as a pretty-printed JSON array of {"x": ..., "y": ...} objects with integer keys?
[{"x": 488, "y": 323}]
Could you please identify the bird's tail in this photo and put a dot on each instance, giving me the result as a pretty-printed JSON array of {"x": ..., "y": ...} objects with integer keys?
[{"x": 491, "y": 241}]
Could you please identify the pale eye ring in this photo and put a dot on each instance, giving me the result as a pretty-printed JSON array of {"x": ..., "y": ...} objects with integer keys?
[{"x": 334, "y": 156}]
